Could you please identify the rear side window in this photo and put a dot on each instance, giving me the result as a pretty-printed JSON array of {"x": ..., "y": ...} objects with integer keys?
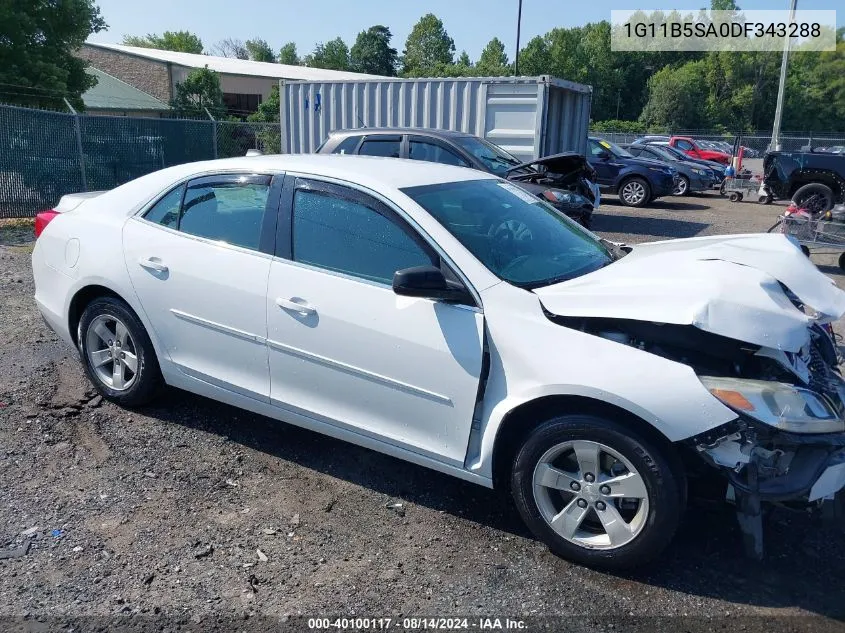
[
  {"x": 636, "y": 151},
  {"x": 166, "y": 210},
  {"x": 419, "y": 150},
  {"x": 230, "y": 212},
  {"x": 346, "y": 236},
  {"x": 374, "y": 146},
  {"x": 347, "y": 145}
]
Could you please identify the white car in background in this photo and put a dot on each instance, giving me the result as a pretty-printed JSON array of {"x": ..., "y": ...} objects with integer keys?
[{"x": 449, "y": 318}]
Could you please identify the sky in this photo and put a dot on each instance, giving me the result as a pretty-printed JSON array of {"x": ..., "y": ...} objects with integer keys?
[{"x": 471, "y": 23}]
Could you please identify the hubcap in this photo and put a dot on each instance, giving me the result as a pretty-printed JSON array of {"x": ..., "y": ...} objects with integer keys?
[
  {"x": 681, "y": 189},
  {"x": 112, "y": 352},
  {"x": 590, "y": 494},
  {"x": 633, "y": 192}
]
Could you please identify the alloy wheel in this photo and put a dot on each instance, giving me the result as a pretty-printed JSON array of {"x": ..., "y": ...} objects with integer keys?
[
  {"x": 112, "y": 352},
  {"x": 590, "y": 494},
  {"x": 633, "y": 192}
]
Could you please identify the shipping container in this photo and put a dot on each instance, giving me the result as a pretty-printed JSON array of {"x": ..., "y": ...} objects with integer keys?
[{"x": 528, "y": 116}]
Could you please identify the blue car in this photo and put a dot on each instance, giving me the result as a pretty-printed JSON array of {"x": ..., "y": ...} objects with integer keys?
[{"x": 637, "y": 181}]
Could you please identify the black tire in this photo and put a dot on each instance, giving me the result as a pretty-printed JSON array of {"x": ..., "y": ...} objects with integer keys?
[
  {"x": 767, "y": 199},
  {"x": 723, "y": 188},
  {"x": 683, "y": 186},
  {"x": 661, "y": 473},
  {"x": 815, "y": 197},
  {"x": 735, "y": 197},
  {"x": 805, "y": 250},
  {"x": 642, "y": 185},
  {"x": 842, "y": 267},
  {"x": 147, "y": 379}
]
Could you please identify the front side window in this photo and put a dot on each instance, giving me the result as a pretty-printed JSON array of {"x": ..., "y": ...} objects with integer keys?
[
  {"x": 230, "y": 211},
  {"x": 518, "y": 237},
  {"x": 685, "y": 145},
  {"x": 420, "y": 150},
  {"x": 493, "y": 157},
  {"x": 375, "y": 146},
  {"x": 349, "y": 237}
]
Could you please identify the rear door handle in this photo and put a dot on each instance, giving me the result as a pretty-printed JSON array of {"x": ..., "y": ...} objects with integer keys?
[
  {"x": 295, "y": 305},
  {"x": 151, "y": 264}
]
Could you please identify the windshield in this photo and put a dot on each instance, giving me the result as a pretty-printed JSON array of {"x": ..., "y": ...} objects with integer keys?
[
  {"x": 614, "y": 149},
  {"x": 497, "y": 160},
  {"x": 518, "y": 237},
  {"x": 664, "y": 154},
  {"x": 674, "y": 152}
]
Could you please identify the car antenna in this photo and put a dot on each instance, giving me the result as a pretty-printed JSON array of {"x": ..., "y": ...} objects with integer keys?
[{"x": 361, "y": 121}]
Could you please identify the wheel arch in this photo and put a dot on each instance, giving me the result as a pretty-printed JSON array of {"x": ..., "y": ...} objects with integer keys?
[
  {"x": 522, "y": 419},
  {"x": 88, "y": 293},
  {"x": 806, "y": 177}
]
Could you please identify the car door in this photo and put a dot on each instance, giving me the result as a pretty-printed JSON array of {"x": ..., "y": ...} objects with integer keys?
[
  {"x": 198, "y": 260},
  {"x": 602, "y": 160},
  {"x": 344, "y": 348}
]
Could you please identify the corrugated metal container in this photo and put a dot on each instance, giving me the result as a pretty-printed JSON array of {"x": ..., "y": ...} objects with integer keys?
[{"x": 528, "y": 116}]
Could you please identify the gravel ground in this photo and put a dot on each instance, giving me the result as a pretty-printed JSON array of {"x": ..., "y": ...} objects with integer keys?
[{"x": 205, "y": 515}]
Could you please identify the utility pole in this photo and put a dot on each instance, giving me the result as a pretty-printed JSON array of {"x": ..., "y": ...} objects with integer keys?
[
  {"x": 775, "y": 144},
  {"x": 518, "y": 31}
]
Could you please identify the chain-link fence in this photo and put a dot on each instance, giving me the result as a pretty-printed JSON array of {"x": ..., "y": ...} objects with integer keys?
[{"x": 44, "y": 155}]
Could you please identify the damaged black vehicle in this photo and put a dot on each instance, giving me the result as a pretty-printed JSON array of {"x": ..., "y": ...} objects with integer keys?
[{"x": 566, "y": 180}]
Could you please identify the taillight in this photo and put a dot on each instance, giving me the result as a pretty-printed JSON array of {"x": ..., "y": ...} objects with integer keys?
[{"x": 42, "y": 220}]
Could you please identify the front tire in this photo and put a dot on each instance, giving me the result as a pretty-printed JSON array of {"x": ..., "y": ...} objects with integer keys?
[
  {"x": 597, "y": 493},
  {"x": 634, "y": 192},
  {"x": 683, "y": 186},
  {"x": 117, "y": 353}
]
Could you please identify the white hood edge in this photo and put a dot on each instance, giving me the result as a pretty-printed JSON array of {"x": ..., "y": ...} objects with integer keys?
[{"x": 726, "y": 285}]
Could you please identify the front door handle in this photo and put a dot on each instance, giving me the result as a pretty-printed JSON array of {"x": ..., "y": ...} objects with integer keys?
[
  {"x": 151, "y": 263},
  {"x": 295, "y": 305}
]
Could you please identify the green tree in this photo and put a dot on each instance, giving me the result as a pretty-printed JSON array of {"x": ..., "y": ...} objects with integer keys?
[
  {"x": 677, "y": 98},
  {"x": 37, "y": 42},
  {"x": 428, "y": 49},
  {"x": 269, "y": 136},
  {"x": 535, "y": 59},
  {"x": 230, "y": 48},
  {"x": 333, "y": 55},
  {"x": 181, "y": 41},
  {"x": 493, "y": 61},
  {"x": 199, "y": 92},
  {"x": 288, "y": 55},
  {"x": 259, "y": 50},
  {"x": 373, "y": 54}
]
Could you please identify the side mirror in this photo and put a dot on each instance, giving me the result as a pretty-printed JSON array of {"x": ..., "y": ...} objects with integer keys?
[{"x": 430, "y": 283}]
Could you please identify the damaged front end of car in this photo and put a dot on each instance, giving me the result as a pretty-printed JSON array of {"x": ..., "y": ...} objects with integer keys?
[{"x": 787, "y": 444}]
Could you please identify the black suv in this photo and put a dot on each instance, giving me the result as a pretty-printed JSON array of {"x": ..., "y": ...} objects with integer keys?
[
  {"x": 564, "y": 180},
  {"x": 814, "y": 180}
]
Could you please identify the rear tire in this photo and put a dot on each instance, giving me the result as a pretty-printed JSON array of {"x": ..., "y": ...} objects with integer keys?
[
  {"x": 576, "y": 512},
  {"x": 815, "y": 197},
  {"x": 117, "y": 353}
]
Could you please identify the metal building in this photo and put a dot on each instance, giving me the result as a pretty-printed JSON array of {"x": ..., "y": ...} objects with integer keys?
[{"x": 528, "y": 116}]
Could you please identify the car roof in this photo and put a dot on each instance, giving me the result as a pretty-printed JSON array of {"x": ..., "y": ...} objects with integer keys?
[
  {"x": 383, "y": 175},
  {"x": 434, "y": 132}
]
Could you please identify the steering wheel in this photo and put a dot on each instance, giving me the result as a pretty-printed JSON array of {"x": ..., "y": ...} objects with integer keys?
[{"x": 505, "y": 238}]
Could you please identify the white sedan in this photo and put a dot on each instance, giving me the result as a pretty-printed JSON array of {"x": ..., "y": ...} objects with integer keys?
[{"x": 451, "y": 319}]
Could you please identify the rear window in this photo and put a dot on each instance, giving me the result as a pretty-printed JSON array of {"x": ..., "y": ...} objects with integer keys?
[
  {"x": 347, "y": 145},
  {"x": 388, "y": 148}
]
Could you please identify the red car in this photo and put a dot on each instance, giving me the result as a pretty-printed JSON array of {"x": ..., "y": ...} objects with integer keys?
[{"x": 689, "y": 147}]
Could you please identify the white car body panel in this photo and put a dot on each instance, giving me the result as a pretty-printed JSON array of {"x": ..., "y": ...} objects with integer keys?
[
  {"x": 726, "y": 286},
  {"x": 210, "y": 297},
  {"x": 402, "y": 368},
  {"x": 401, "y": 375}
]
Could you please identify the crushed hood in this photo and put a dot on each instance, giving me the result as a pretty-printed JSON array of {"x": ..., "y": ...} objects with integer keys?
[
  {"x": 565, "y": 163},
  {"x": 726, "y": 285}
]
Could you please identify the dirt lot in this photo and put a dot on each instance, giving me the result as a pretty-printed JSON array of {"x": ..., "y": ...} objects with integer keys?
[{"x": 206, "y": 515}]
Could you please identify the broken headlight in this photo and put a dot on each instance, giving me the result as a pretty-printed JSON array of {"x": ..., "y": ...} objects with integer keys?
[{"x": 777, "y": 404}]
